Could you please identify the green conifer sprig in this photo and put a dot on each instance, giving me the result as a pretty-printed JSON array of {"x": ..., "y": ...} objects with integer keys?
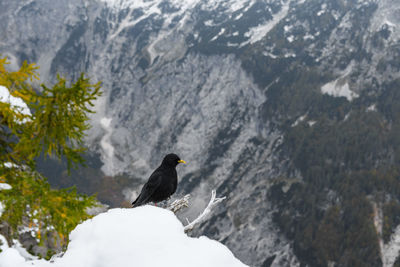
[{"x": 55, "y": 127}]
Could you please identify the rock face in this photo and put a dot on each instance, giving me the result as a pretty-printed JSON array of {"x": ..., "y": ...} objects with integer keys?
[{"x": 227, "y": 85}]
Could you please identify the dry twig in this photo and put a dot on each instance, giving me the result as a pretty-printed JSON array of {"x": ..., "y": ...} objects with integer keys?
[{"x": 202, "y": 217}]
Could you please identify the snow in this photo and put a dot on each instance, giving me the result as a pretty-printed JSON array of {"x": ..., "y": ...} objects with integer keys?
[
  {"x": 1, "y": 208},
  {"x": 133, "y": 4},
  {"x": 389, "y": 23},
  {"x": 152, "y": 6},
  {"x": 14, "y": 256},
  {"x": 267, "y": 54},
  {"x": 105, "y": 141},
  {"x": 347, "y": 116},
  {"x": 300, "y": 119},
  {"x": 311, "y": 123},
  {"x": 391, "y": 250},
  {"x": 323, "y": 10},
  {"x": 127, "y": 22},
  {"x": 238, "y": 16},
  {"x": 287, "y": 55},
  {"x": 338, "y": 89},
  {"x": 371, "y": 108},
  {"x": 221, "y": 32},
  {"x": 255, "y": 34},
  {"x": 238, "y": 5},
  {"x": 209, "y": 23},
  {"x": 10, "y": 165},
  {"x": 287, "y": 28},
  {"x": 10, "y": 257},
  {"x": 106, "y": 145},
  {"x": 144, "y": 236},
  {"x": 308, "y": 37},
  {"x": 16, "y": 103},
  {"x": 22, "y": 251},
  {"x": 3, "y": 243},
  {"x": 4, "y": 186}
]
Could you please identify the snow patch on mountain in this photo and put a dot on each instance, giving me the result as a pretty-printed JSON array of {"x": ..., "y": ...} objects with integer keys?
[
  {"x": 105, "y": 143},
  {"x": 221, "y": 32},
  {"x": 391, "y": 250},
  {"x": 299, "y": 119},
  {"x": 239, "y": 5},
  {"x": 371, "y": 108},
  {"x": 255, "y": 34},
  {"x": 149, "y": 6},
  {"x": 152, "y": 6},
  {"x": 339, "y": 88}
]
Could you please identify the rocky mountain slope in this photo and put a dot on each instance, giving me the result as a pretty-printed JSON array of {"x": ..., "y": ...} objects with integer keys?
[{"x": 288, "y": 108}]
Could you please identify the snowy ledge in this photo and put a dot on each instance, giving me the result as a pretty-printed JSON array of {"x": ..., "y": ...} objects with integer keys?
[{"x": 143, "y": 236}]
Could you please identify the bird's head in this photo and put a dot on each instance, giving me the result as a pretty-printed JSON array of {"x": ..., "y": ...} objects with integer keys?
[{"x": 172, "y": 160}]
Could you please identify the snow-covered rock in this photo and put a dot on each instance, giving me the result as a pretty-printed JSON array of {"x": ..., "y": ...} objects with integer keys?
[
  {"x": 5, "y": 186},
  {"x": 15, "y": 102},
  {"x": 144, "y": 236}
]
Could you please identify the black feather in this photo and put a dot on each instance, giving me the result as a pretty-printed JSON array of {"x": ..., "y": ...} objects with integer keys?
[{"x": 161, "y": 184}]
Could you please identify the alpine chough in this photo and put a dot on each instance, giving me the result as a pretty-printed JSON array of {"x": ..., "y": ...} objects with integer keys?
[{"x": 162, "y": 182}]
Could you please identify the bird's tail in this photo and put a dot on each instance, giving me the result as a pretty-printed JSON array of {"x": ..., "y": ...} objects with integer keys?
[
  {"x": 135, "y": 203},
  {"x": 140, "y": 201}
]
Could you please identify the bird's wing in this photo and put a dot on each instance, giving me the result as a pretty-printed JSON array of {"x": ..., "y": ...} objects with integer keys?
[{"x": 148, "y": 189}]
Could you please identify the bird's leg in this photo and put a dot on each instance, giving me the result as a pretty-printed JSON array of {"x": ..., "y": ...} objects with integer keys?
[{"x": 155, "y": 204}]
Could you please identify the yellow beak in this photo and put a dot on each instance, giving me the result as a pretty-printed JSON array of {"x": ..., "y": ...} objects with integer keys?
[{"x": 182, "y": 161}]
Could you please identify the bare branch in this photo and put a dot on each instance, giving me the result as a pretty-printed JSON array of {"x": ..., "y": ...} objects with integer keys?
[
  {"x": 179, "y": 204},
  {"x": 213, "y": 202}
]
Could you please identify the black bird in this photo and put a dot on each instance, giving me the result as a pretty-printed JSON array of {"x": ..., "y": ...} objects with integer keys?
[{"x": 162, "y": 182}]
